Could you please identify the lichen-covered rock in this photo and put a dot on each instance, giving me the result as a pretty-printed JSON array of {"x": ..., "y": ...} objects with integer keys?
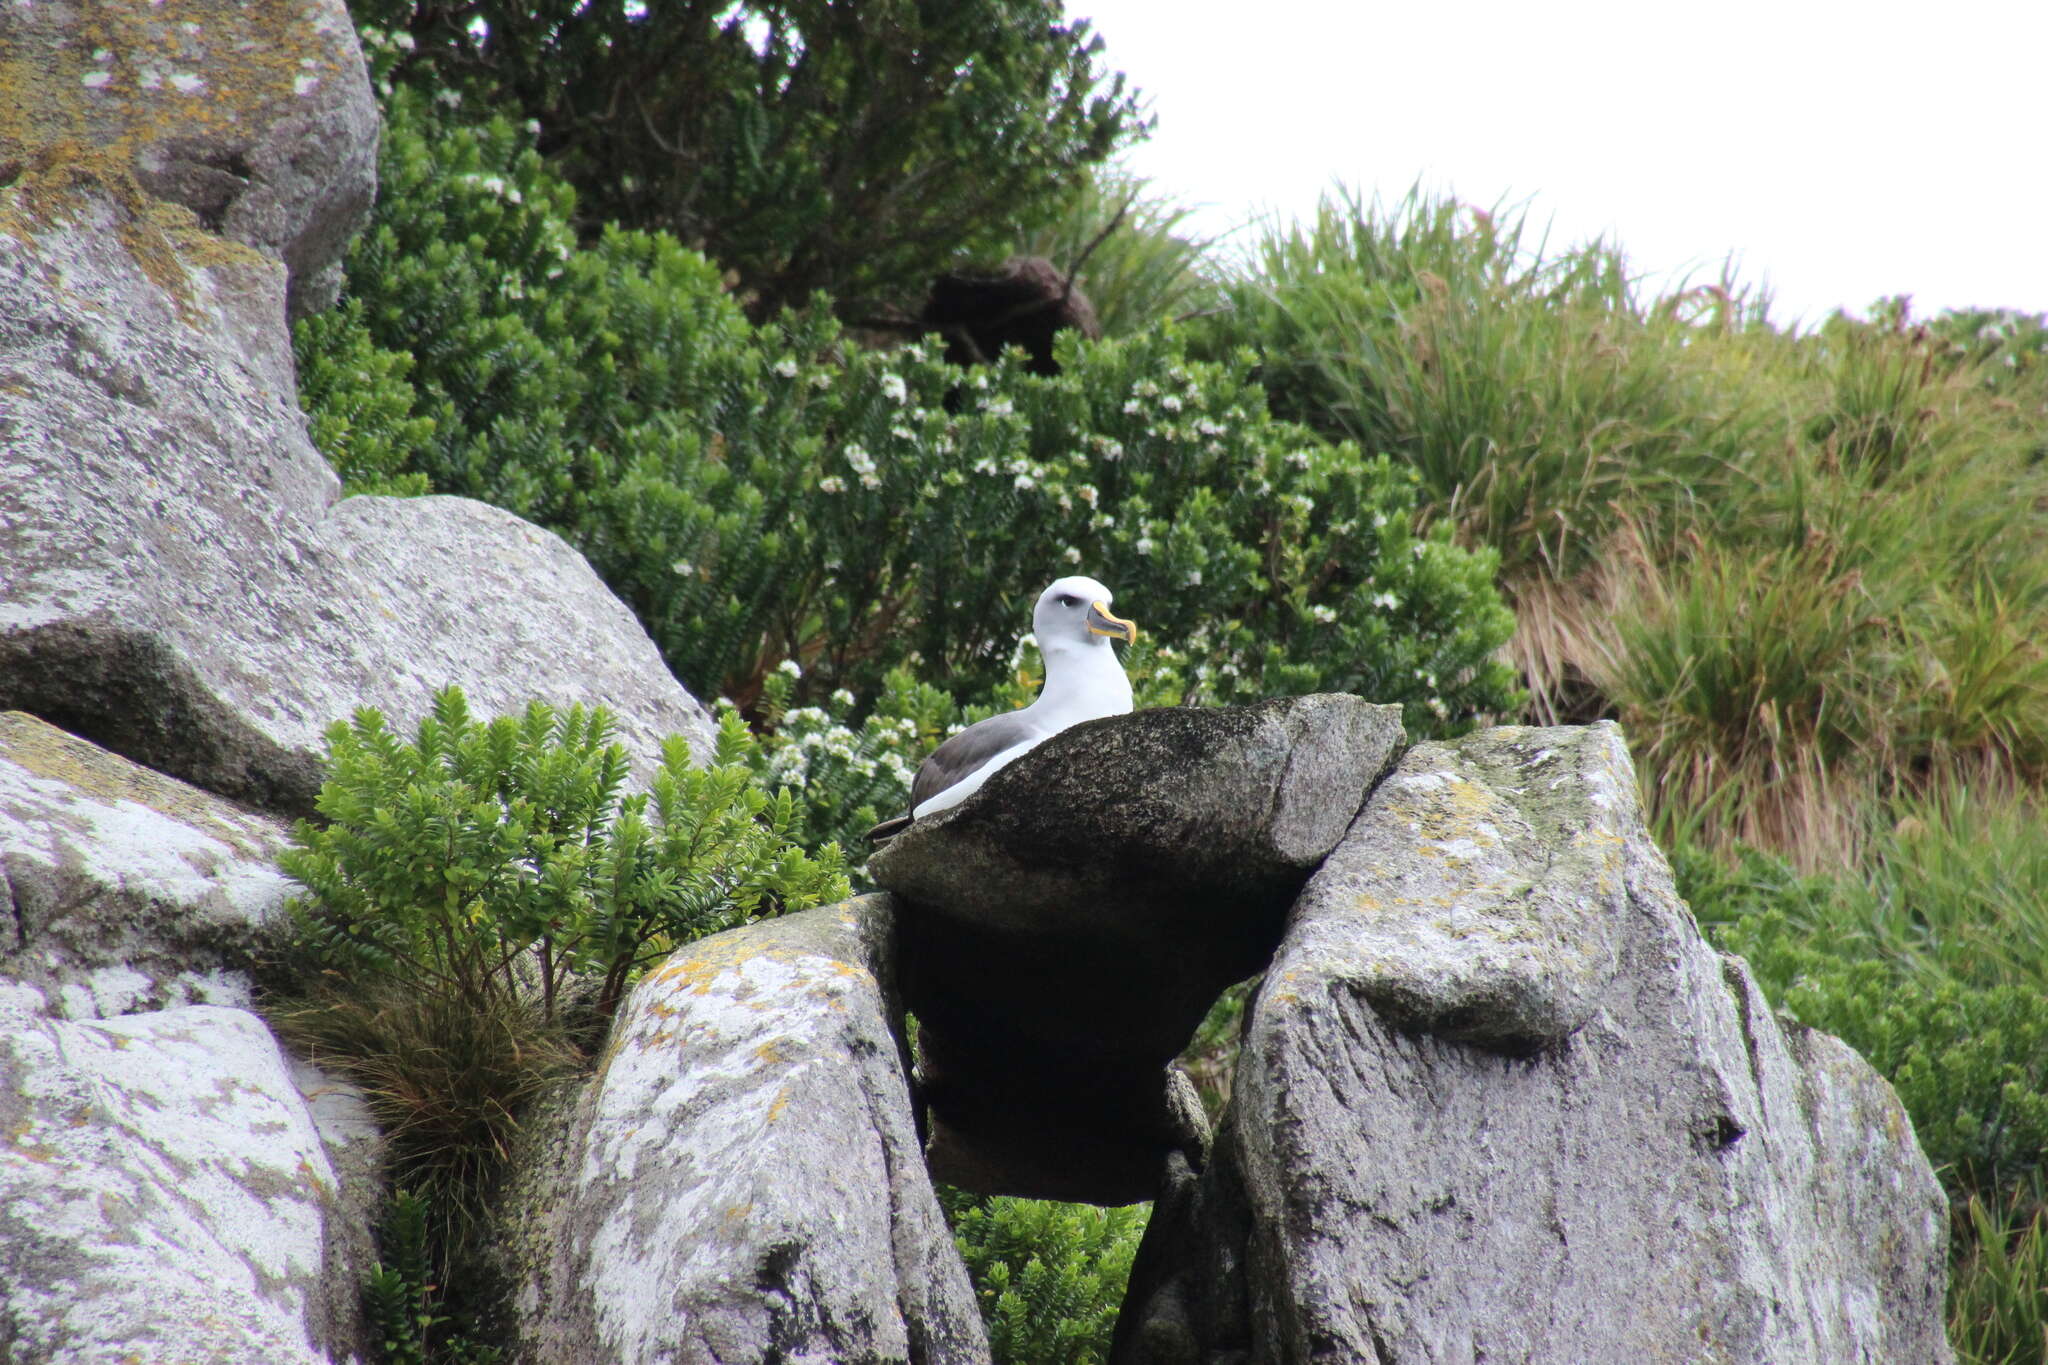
[
  {"x": 259, "y": 120},
  {"x": 741, "y": 1181},
  {"x": 1066, "y": 928},
  {"x": 177, "y": 580},
  {"x": 165, "y": 1195},
  {"x": 1497, "y": 1100},
  {"x": 121, "y": 889}
]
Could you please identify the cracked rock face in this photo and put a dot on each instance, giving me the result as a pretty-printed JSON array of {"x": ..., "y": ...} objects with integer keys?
[
  {"x": 166, "y": 1194},
  {"x": 1498, "y": 1100},
  {"x": 266, "y": 131},
  {"x": 178, "y": 582},
  {"x": 741, "y": 1181},
  {"x": 1066, "y": 928}
]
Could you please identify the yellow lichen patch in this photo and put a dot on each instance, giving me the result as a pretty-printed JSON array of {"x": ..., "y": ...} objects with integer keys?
[
  {"x": 737, "y": 1212},
  {"x": 123, "y": 77},
  {"x": 164, "y": 240},
  {"x": 852, "y": 972},
  {"x": 770, "y": 1053},
  {"x": 41, "y": 1154},
  {"x": 781, "y": 1103}
]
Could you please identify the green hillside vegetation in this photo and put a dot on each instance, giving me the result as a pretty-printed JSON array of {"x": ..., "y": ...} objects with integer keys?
[{"x": 1406, "y": 450}]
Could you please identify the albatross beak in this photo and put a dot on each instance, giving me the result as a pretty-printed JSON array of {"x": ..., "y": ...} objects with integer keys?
[{"x": 1100, "y": 622}]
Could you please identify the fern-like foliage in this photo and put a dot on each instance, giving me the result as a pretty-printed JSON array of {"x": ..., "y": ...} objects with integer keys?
[
  {"x": 1049, "y": 1277},
  {"x": 489, "y": 862}
]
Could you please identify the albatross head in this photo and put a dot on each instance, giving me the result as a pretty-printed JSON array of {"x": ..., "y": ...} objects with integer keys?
[{"x": 1074, "y": 614}]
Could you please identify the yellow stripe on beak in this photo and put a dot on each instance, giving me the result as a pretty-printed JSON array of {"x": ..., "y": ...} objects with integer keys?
[{"x": 1100, "y": 622}]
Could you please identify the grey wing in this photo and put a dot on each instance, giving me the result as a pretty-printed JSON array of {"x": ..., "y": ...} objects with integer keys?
[{"x": 966, "y": 751}]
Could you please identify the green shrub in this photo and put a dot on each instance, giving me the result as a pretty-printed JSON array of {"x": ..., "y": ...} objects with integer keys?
[
  {"x": 475, "y": 905},
  {"x": 1969, "y": 1060},
  {"x": 804, "y": 144},
  {"x": 1049, "y": 1277},
  {"x": 492, "y": 863},
  {"x": 402, "y": 1302},
  {"x": 762, "y": 495}
]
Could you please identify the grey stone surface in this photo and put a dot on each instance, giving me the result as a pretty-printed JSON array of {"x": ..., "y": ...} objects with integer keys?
[
  {"x": 741, "y": 1180},
  {"x": 121, "y": 889},
  {"x": 1499, "y": 1101},
  {"x": 1066, "y": 928},
  {"x": 1230, "y": 801},
  {"x": 177, "y": 580},
  {"x": 166, "y": 1195},
  {"x": 262, "y": 125}
]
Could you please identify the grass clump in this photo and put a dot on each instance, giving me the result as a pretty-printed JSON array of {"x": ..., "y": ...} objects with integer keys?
[{"x": 1998, "y": 1298}]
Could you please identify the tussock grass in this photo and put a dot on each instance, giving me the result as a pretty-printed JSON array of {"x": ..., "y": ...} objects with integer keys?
[
  {"x": 1533, "y": 396},
  {"x": 445, "y": 1079},
  {"x": 1805, "y": 570},
  {"x": 1998, "y": 1300}
]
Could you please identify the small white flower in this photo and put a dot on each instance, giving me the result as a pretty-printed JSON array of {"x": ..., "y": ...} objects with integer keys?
[
  {"x": 786, "y": 367},
  {"x": 403, "y": 41},
  {"x": 1131, "y": 408},
  {"x": 985, "y": 466},
  {"x": 1322, "y": 615},
  {"x": 1194, "y": 578},
  {"x": 1299, "y": 459},
  {"x": 1112, "y": 450},
  {"x": 448, "y": 98},
  {"x": 1385, "y": 601},
  {"x": 863, "y": 465},
  {"x": 903, "y": 433},
  {"x": 822, "y": 379},
  {"x": 1146, "y": 545},
  {"x": 1436, "y": 704},
  {"x": 841, "y": 697},
  {"x": 1170, "y": 403},
  {"x": 791, "y": 667},
  {"x": 1209, "y": 426},
  {"x": 894, "y": 388},
  {"x": 1073, "y": 555},
  {"x": 999, "y": 407},
  {"x": 683, "y": 568},
  {"x": 1088, "y": 493},
  {"x": 981, "y": 381},
  {"x": 834, "y": 484},
  {"x": 1024, "y": 482}
]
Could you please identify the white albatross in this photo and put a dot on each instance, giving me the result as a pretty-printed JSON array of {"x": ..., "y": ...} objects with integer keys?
[{"x": 1083, "y": 681}]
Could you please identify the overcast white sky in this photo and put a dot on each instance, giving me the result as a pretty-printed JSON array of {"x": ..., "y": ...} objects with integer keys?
[{"x": 1842, "y": 152}]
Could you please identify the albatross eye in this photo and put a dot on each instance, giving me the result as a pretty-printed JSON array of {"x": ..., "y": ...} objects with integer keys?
[{"x": 1067, "y": 601}]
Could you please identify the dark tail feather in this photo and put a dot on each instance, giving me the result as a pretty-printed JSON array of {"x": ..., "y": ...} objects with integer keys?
[{"x": 888, "y": 829}]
